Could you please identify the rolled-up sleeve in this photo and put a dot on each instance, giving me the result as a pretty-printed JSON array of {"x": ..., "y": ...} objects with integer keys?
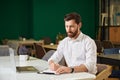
[
  {"x": 91, "y": 57},
  {"x": 58, "y": 55}
]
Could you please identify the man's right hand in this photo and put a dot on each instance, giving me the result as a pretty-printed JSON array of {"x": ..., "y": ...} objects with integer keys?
[{"x": 53, "y": 66}]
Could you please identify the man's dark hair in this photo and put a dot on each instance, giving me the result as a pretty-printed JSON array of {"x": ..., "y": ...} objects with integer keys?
[{"x": 75, "y": 16}]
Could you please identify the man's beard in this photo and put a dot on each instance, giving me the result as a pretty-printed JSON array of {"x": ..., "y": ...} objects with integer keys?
[{"x": 72, "y": 34}]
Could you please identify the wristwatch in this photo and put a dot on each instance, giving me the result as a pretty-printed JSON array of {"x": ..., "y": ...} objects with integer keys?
[{"x": 72, "y": 70}]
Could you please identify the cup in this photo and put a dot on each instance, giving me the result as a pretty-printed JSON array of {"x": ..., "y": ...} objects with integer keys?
[
  {"x": 23, "y": 57},
  {"x": 24, "y": 39},
  {"x": 51, "y": 43}
]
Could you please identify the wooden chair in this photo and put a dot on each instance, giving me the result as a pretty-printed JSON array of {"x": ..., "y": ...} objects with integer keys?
[
  {"x": 39, "y": 51},
  {"x": 103, "y": 71}
]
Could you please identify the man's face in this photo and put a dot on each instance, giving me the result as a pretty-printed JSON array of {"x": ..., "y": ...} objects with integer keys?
[{"x": 72, "y": 28}]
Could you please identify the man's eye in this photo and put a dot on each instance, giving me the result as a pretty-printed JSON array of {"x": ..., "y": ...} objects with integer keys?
[{"x": 71, "y": 26}]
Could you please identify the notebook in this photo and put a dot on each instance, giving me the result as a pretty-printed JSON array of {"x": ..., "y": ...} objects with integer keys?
[
  {"x": 26, "y": 69},
  {"x": 19, "y": 68}
]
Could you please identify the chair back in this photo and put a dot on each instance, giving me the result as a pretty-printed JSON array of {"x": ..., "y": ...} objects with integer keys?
[
  {"x": 99, "y": 46},
  {"x": 107, "y": 44},
  {"x": 104, "y": 71},
  {"x": 40, "y": 51},
  {"x": 48, "y": 55},
  {"x": 47, "y": 40}
]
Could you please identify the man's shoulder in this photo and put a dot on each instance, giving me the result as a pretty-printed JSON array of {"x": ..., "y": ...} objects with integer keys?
[
  {"x": 86, "y": 37},
  {"x": 66, "y": 39}
]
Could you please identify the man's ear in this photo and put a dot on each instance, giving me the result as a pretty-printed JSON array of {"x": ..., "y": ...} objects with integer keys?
[{"x": 80, "y": 25}]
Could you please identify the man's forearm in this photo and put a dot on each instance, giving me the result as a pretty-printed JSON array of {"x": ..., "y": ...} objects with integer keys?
[{"x": 81, "y": 68}]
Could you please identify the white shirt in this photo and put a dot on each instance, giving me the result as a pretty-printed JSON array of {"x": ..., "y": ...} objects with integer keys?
[{"x": 82, "y": 50}]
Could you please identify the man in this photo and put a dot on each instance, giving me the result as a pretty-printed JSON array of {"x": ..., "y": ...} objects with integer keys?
[{"x": 78, "y": 49}]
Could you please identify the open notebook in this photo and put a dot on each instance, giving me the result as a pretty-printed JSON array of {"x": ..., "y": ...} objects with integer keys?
[{"x": 19, "y": 68}]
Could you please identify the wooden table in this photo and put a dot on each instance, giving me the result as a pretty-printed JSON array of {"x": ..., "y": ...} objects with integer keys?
[
  {"x": 15, "y": 44},
  {"x": 25, "y": 42},
  {"x": 111, "y": 59},
  {"x": 50, "y": 46}
]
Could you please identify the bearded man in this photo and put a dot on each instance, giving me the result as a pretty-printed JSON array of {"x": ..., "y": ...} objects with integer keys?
[{"x": 78, "y": 49}]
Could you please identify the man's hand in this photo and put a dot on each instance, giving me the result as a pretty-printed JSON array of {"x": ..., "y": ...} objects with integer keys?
[
  {"x": 53, "y": 66},
  {"x": 58, "y": 68},
  {"x": 63, "y": 69}
]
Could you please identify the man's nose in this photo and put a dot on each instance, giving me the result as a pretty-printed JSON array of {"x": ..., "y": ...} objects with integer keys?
[{"x": 69, "y": 29}]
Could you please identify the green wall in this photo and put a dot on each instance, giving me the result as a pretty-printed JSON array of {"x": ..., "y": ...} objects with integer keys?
[
  {"x": 15, "y": 18},
  {"x": 39, "y": 18},
  {"x": 48, "y": 16}
]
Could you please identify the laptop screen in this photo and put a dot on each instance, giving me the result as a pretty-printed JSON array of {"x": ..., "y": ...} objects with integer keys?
[{"x": 12, "y": 59}]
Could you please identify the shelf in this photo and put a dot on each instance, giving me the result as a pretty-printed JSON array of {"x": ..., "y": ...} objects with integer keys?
[
  {"x": 110, "y": 26},
  {"x": 109, "y": 12},
  {"x": 109, "y": 19}
]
